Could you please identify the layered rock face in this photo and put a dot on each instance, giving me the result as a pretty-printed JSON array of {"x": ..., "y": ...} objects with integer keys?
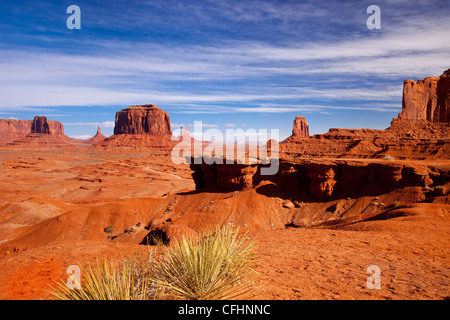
[
  {"x": 99, "y": 136},
  {"x": 427, "y": 99},
  {"x": 40, "y": 125},
  {"x": 14, "y": 129},
  {"x": 143, "y": 119},
  {"x": 321, "y": 180},
  {"x": 301, "y": 128},
  {"x": 15, "y": 126}
]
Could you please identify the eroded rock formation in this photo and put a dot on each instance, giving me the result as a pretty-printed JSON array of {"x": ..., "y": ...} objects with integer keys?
[
  {"x": 40, "y": 125},
  {"x": 98, "y": 137},
  {"x": 301, "y": 128},
  {"x": 321, "y": 180},
  {"x": 15, "y": 129},
  {"x": 427, "y": 99},
  {"x": 143, "y": 119}
]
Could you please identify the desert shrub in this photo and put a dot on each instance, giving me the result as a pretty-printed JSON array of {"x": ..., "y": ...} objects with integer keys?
[
  {"x": 214, "y": 265},
  {"x": 130, "y": 279},
  {"x": 109, "y": 229}
]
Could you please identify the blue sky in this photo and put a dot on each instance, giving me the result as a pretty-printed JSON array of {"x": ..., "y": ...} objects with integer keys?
[{"x": 230, "y": 64}]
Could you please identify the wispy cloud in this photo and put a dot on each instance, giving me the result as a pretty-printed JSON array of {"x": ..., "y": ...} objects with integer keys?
[
  {"x": 104, "y": 124},
  {"x": 234, "y": 74}
]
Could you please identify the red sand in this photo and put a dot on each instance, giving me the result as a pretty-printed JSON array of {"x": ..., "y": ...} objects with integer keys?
[{"x": 56, "y": 203}]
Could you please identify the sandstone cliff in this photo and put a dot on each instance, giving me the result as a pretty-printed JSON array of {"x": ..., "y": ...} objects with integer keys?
[
  {"x": 320, "y": 179},
  {"x": 14, "y": 129},
  {"x": 142, "y": 126},
  {"x": 301, "y": 128},
  {"x": 143, "y": 119},
  {"x": 427, "y": 99}
]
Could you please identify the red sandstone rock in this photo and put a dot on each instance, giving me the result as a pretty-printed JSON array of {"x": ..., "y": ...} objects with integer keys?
[
  {"x": 40, "y": 125},
  {"x": 301, "y": 128},
  {"x": 143, "y": 119},
  {"x": 322, "y": 180},
  {"x": 98, "y": 137},
  {"x": 185, "y": 135},
  {"x": 427, "y": 99},
  {"x": 444, "y": 97},
  {"x": 15, "y": 129}
]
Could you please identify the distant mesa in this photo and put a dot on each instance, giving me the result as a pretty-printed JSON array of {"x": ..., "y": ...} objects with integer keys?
[
  {"x": 143, "y": 119},
  {"x": 421, "y": 131},
  {"x": 427, "y": 99},
  {"x": 40, "y": 133},
  {"x": 137, "y": 126},
  {"x": 15, "y": 129}
]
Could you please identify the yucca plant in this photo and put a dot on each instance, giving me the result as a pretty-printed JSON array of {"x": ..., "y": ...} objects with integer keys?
[
  {"x": 213, "y": 266},
  {"x": 128, "y": 280}
]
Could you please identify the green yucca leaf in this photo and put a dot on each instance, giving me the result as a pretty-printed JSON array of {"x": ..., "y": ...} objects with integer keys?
[
  {"x": 129, "y": 280},
  {"x": 216, "y": 265}
]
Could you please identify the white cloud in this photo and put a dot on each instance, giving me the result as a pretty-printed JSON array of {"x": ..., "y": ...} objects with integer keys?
[
  {"x": 104, "y": 124},
  {"x": 138, "y": 76},
  {"x": 81, "y": 137}
]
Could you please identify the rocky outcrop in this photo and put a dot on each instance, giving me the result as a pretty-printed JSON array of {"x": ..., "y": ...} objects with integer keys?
[
  {"x": 185, "y": 135},
  {"x": 140, "y": 127},
  {"x": 15, "y": 129},
  {"x": 427, "y": 99},
  {"x": 443, "y": 100},
  {"x": 321, "y": 180},
  {"x": 143, "y": 119},
  {"x": 98, "y": 137},
  {"x": 40, "y": 125},
  {"x": 301, "y": 128}
]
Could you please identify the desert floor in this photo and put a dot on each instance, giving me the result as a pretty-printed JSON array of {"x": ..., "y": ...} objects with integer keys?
[{"x": 411, "y": 249}]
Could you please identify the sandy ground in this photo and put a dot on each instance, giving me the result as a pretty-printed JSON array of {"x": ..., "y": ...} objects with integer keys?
[{"x": 411, "y": 250}]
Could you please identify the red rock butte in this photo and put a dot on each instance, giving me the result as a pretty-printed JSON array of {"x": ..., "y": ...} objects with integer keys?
[
  {"x": 301, "y": 128},
  {"x": 15, "y": 129},
  {"x": 143, "y": 119},
  {"x": 427, "y": 99}
]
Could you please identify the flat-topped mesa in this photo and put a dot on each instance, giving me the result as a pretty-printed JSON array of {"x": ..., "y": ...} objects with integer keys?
[
  {"x": 143, "y": 119},
  {"x": 42, "y": 125},
  {"x": 13, "y": 129},
  {"x": 427, "y": 99},
  {"x": 301, "y": 128}
]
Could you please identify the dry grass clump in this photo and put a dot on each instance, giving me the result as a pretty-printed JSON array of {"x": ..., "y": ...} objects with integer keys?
[
  {"x": 130, "y": 279},
  {"x": 215, "y": 265}
]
